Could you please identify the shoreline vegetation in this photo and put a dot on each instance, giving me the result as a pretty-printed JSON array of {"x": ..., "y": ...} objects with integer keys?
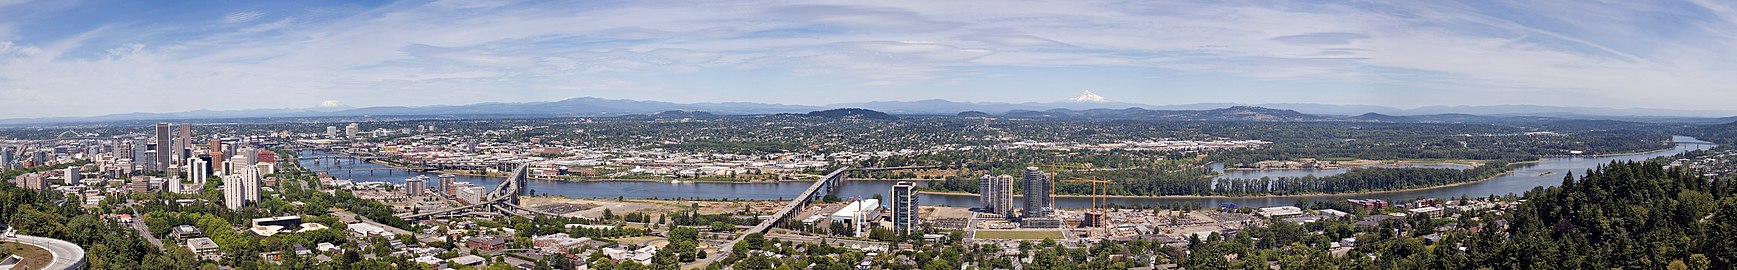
[{"x": 1269, "y": 196}]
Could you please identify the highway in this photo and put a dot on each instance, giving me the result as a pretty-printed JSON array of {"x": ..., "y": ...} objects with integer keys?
[
  {"x": 66, "y": 254},
  {"x": 852, "y": 243}
]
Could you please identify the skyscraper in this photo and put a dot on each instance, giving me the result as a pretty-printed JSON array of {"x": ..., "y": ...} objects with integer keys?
[
  {"x": 183, "y": 143},
  {"x": 149, "y": 164},
  {"x": 197, "y": 171},
  {"x": 240, "y": 188},
  {"x": 6, "y": 158},
  {"x": 233, "y": 196},
  {"x": 250, "y": 182},
  {"x": 1037, "y": 197},
  {"x": 986, "y": 193},
  {"x": 217, "y": 156},
  {"x": 174, "y": 185},
  {"x": 904, "y": 207},
  {"x": 352, "y": 130},
  {"x": 1003, "y": 195},
  {"x": 164, "y": 157},
  {"x": 331, "y": 131}
]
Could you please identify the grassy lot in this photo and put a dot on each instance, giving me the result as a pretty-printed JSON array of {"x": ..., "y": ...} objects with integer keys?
[
  {"x": 636, "y": 240},
  {"x": 33, "y": 256},
  {"x": 1018, "y": 234}
]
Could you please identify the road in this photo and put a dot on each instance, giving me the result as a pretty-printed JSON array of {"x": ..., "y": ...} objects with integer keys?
[
  {"x": 348, "y": 217},
  {"x": 859, "y": 244},
  {"x": 139, "y": 224},
  {"x": 66, "y": 254}
]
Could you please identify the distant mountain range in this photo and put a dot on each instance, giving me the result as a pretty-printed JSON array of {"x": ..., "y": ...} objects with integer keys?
[{"x": 1088, "y": 108}]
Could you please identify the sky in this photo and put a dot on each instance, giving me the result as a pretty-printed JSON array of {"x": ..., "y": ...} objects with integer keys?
[{"x": 62, "y": 58}]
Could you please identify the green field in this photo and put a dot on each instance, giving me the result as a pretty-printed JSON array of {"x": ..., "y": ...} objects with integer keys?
[{"x": 1018, "y": 235}]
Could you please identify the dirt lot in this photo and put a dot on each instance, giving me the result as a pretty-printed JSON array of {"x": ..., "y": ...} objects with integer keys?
[
  {"x": 1019, "y": 234},
  {"x": 946, "y": 212}
]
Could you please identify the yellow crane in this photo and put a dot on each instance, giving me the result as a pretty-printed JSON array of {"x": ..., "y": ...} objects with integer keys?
[
  {"x": 1097, "y": 196},
  {"x": 1098, "y": 214},
  {"x": 1055, "y": 170}
]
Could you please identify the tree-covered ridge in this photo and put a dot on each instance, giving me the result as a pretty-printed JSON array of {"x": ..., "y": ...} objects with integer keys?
[{"x": 1624, "y": 215}]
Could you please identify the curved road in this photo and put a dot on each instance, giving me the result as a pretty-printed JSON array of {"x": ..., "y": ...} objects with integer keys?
[{"x": 66, "y": 254}]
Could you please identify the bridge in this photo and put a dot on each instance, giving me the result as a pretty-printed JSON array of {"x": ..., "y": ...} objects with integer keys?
[
  {"x": 503, "y": 200},
  {"x": 826, "y": 185},
  {"x": 339, "y": 161}
]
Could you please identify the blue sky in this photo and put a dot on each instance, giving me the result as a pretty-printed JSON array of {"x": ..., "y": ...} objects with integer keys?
[{"x": 82, "y": 58}]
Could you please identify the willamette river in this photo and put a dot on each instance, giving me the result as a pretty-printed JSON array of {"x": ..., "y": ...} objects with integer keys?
[{"x": 1521, "y": 180}]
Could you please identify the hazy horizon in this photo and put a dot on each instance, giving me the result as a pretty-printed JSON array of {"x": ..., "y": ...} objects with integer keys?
[{"x": 90, "y": 58}]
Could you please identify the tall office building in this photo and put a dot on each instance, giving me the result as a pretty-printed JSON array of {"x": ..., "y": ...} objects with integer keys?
[
  {"x": 245, "y": 157},
  {"x": 986, "y": 193},
  {"x": 72, "y": 175},
  {"x": 197, "y": 170},
  {"x": 6, "y": 158},
  {"x": 124, "y": 150},
  {"x": 183, "y": 143},
  {"x": 904, "y": 207},
  {"x": 1003, "y": 195},
  {"x": 331, "y": 131},
  {"x": 149, "y": 164},
  {"x": 217, "y": 156},
  {"x": 1037, "y": 197},
  {"x": 164, "y": 157}
]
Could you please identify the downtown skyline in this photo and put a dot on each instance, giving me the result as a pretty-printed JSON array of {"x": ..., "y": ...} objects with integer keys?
[{"x": 87, "y": 58}]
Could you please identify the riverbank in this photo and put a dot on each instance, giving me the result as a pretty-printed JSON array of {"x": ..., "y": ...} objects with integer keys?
[
  {"x": 648, "y": 179},
  {"x": 1365, "y": 163},
  {"x": 1271, "y": 196}
]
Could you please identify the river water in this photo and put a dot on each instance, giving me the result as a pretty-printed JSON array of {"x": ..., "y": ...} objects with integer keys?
[{"x": 1521, "y": 180}]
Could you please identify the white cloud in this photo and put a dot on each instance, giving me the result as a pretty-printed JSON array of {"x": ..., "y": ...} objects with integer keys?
[
  {"x": 242, "y": 17},
  {"x": 473, "y": 51}
]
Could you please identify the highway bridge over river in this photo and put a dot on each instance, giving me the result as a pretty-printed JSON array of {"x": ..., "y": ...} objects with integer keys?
[{"x": 503, "y": 200}]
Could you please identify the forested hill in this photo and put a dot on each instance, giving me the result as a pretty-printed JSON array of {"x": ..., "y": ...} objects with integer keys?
[
  {"x": 1625, "y": 215},
  {"x": 1724, "y": 134}
]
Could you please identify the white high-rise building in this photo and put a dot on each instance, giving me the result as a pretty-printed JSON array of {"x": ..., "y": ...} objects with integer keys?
[
  {"x": 1003, "y": 195},
  {"x": 233, "y": 196},
  {"x": 241, "y": 188},
  {"x": 198, "y": 170},
  {"x": 251, "y": 185},
  {"x": 175, "y": 185},
  {"x": 331, "y": 131},
  {"x": 352, "y": 130}
]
